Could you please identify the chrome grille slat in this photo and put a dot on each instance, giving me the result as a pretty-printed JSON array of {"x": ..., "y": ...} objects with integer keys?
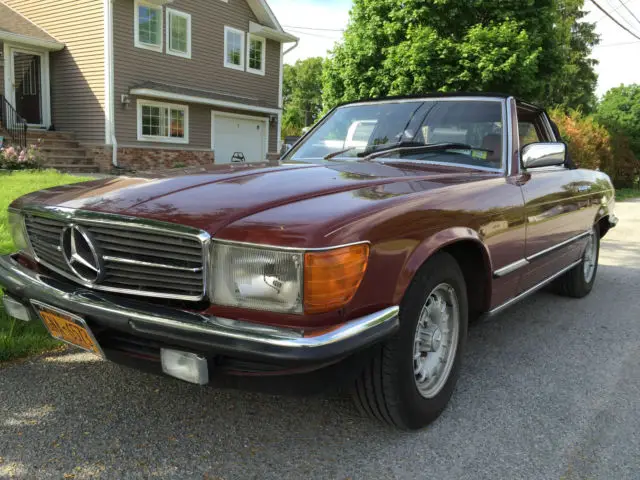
[
  {"x": 173, "y": 240},
  {"x": 45, "y": 229},
  {"x": 106, "y": 242},
  {"x": 156, "y": 261},
  {"x": 138, "y": 263},
  {"x": 154, "y": 274},
  {"x": 141, "y": 279},
  {"x": 47, "y": 221},
  {"x": 152, "y": 255},
  {"x": 48, "y": 238},
  {"x": 126, "y": 283}
]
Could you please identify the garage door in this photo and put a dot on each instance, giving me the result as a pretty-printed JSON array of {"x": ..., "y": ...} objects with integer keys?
[{"x": 238, "y": 138}]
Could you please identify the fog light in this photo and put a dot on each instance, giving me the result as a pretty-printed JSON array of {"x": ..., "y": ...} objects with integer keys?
[
  {"x": 189, "y": 367},
  {"x": 15, "y": 309}
]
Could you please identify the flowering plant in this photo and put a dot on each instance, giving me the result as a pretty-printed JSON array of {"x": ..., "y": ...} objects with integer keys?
[{"x": 12, "y": 158}]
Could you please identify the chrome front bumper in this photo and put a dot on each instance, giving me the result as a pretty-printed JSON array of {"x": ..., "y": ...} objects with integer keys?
[{"x": 193, "y": 330}]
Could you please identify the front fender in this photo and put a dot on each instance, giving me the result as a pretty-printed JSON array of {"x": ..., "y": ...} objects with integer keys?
[{"x": 432, "y": 245}]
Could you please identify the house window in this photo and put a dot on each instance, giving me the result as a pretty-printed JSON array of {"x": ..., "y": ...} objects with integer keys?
[
  {"x": 255, "y": 54},
  {"x": 178, "y": 33},
  {"x": 163, "y": 122},
  {"x": 233, "y": 48},
  {"x": 148, "y": 26}
]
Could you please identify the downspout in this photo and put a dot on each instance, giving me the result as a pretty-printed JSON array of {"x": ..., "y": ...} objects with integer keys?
[
  {"x": 295, "y": 45},
  {"x": 280, "y": 99},
  {"x": 110, "y": 123}
]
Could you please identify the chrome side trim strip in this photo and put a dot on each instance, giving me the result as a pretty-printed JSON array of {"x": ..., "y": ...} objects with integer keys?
[
  {"x": 533, "y": 289},
  {"x": 558, "y": 246},
  {"x": 510, "y": 268}
]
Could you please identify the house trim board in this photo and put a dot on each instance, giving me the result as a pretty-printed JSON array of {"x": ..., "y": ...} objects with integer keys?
[
  {"x": 45, "y": 81},
  {"x": 177, "y": 97}
]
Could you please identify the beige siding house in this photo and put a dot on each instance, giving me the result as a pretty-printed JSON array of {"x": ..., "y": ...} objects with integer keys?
[{"x": 148, "y": 83}]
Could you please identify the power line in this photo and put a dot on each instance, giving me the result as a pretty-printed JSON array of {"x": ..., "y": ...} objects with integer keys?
[
  {"x": 616, "y": 44},
  {"x": 313, "y": 28},
  {"x": 630, "y": 12},
  {"x": 615, "y": 10},
  {"x": 616, "y": 21},
  {"x": 314, "y": 35}
]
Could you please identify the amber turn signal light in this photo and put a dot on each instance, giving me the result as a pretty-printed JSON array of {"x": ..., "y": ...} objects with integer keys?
[{"x": 331, "y": 278}]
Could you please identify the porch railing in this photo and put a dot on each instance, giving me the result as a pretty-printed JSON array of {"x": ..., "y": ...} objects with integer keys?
[{"x": 11, "y": 122}]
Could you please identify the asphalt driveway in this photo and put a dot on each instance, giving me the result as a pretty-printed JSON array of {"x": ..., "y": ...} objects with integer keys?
[{"x": 550, "y": 390}]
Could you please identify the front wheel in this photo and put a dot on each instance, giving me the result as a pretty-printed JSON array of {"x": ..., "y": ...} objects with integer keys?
[
  {"x": 412, "y": 377},
  {"x": 578, "y": 282}
]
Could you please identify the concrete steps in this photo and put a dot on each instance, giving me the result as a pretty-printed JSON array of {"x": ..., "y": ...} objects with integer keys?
[{"x": 61, "y": 151}]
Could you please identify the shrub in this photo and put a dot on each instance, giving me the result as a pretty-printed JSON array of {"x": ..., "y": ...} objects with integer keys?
[
  {"x": 592, "y": 146},
  {"x": 28, "y": 158}
]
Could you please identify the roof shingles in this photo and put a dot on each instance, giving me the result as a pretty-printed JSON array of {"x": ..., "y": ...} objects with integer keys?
[{"x": 13, "y": 23}]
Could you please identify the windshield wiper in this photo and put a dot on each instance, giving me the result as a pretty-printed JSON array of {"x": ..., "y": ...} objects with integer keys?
[
  {"x": 389, "y": 146},
  {"x": 335, "y": 154},
  {"x": 412, "y": 147}
]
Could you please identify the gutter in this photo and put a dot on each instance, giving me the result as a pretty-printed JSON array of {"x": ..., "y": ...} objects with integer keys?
[{"x": 31, "y": 41}]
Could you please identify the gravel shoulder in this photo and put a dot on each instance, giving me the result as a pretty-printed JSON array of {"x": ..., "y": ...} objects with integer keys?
[{"x": 549, "y": 390}]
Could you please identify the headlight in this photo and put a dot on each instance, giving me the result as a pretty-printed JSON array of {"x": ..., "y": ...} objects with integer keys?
[
  {"x": 256, "y": 278},
  {"x": 18, "y": 232},
  {"x": 287, "y": 281}
]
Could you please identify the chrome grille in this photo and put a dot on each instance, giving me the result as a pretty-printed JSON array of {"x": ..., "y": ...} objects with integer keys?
[{"x": 137, "y": 260}]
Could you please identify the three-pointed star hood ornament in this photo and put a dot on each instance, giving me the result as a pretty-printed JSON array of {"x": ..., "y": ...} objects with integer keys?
[{"x": 81, "y": 254}]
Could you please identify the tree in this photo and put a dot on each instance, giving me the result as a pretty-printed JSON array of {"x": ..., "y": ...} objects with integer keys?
[
  {"x": 534, "y": 49},
  {"x": 593, "y": 146},
  {"x": 619, "y": 111},
  {"x": 302, "y": 94}
]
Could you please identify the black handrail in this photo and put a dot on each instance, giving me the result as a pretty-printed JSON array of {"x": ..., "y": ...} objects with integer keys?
[{"x": 13, "y": 123}]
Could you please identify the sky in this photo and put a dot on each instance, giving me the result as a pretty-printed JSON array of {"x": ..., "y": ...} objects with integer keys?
[{"x": 618, "y": 54}]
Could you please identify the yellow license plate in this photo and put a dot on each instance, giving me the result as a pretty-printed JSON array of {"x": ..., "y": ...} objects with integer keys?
[{"x": 68, "y": 327}]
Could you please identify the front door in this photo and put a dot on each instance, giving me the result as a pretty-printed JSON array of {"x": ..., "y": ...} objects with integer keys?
[
  {"x": 552, "y": 210},
  {"x": 27, "y": 86}
]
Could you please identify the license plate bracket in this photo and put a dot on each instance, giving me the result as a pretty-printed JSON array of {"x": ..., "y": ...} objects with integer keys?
[{"x": 68, "y": 327}]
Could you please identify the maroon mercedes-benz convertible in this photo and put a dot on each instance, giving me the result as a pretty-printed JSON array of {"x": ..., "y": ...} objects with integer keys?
[{"x": 364, "y": 252}]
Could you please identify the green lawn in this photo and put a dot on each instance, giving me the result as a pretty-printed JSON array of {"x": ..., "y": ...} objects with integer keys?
[
  {"x": 623, "y": 194},
  {"x": 19, "y": 339}
]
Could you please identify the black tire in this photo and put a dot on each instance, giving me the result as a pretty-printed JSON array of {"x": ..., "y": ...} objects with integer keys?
[
  {"x": 387, "y": 389},
  {"x": 574, "y": 283}
]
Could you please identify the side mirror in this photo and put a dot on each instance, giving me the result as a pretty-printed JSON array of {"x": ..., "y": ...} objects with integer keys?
[{"x": 537, "y": 155}]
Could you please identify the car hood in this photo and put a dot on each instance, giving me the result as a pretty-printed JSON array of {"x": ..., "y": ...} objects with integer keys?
[{"x": 218, "y": 196}]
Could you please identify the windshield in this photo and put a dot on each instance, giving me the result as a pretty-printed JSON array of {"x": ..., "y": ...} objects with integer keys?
[{"x": 355, "y": 131}]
